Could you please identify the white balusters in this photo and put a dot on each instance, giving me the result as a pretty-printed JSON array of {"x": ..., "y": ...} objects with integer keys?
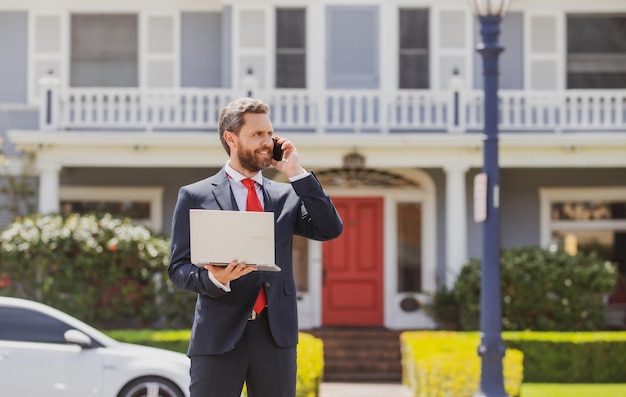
[{"x": 339, "y": 110}]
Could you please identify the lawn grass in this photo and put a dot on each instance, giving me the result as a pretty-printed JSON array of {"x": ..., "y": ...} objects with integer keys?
[{"x": 572, "y": 390}]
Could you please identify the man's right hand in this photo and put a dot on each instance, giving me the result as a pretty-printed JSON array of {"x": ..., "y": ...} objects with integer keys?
[{"x": 226, "y": 274}]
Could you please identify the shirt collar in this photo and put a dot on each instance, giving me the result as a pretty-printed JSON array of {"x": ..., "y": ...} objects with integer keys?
[{"x": 236, "y": 176}]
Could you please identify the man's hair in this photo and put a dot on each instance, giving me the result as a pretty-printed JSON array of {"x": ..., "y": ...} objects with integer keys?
[{"x": 231, "y": 117}]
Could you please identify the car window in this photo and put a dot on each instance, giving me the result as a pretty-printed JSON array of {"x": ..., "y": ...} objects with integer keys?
[{"x": 25, "y": 325}]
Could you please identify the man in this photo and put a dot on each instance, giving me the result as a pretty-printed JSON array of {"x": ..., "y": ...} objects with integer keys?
[{"x": 230, "y": 341}]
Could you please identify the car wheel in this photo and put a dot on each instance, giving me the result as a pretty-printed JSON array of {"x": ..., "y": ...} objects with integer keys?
[{"x": 151, "y": 386}]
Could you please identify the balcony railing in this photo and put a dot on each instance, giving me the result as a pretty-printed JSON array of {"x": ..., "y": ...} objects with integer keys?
[{"x": 353, "y": 111}]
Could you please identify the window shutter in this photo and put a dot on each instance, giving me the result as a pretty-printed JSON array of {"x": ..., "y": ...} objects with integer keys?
[
  {"x": 160, "y": 49},
  {"x": 544, "y": 52},
  {"x": 452, "y": 40},
  {"x": 251, "y": 45},
  {"x": 48, "y": 32}
]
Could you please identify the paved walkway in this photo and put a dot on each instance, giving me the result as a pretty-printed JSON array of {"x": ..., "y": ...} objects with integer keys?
[{"x": 363, "y": 390}]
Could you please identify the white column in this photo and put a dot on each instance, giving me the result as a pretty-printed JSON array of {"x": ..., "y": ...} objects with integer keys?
[
  {"x": 316, "y": 62},
  {"x": 456, "y": 221},
  {"x": 388, "y": 72},
  {"x": 49, "y": 188}
]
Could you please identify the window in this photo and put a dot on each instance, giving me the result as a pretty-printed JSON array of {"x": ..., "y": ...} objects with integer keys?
[
  {"x": 414, "y": 69},
  {"x": 596, "y": 51},
  {"x": 409, "y": 247},
  {"x": 301, "y": 263},
  {"x": 137, "y": 210},
  {"x": 104, "y": 50},
  {"x": 290, "y": 48},
  {"x": 586, "y": 221},
  {"x": 24, "y": 325},
  {"x": 142, "y": 204}
]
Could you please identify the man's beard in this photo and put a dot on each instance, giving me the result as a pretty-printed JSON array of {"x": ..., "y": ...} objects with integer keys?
[{"x": 249, "y": 161}]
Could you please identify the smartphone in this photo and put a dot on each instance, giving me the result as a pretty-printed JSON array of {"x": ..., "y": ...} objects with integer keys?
[{"x": 278, "y": 152}]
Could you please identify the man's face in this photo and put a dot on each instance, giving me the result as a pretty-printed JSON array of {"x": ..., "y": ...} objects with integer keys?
[{"x": 253, "y": 144}]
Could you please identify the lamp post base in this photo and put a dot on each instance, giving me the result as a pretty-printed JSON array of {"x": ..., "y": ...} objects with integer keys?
[{"x": 497, "y": 394}]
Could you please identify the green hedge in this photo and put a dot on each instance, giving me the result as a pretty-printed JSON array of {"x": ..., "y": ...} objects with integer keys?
[
  {"x": 177, "y": 340},
  {"x": 571, "y": 357},
  {"x": 310, "y": 353},
  {"x": 439, "y": 364}
]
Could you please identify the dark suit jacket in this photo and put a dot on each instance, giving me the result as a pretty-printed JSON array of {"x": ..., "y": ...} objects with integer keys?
[{"x": 300, "y": 208}]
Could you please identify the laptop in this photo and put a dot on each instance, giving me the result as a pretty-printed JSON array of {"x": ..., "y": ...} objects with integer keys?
[{"x": 219, "y": 237}]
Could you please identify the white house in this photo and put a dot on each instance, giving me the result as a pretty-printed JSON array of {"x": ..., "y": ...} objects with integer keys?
[{"x": 116, "y": 102}]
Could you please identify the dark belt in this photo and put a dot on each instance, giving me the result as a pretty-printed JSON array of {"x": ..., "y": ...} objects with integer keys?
[{"x": 254, "y": 315}]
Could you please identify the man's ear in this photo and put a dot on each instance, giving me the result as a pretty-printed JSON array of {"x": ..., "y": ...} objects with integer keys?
[{"x": 230, "y": 138}]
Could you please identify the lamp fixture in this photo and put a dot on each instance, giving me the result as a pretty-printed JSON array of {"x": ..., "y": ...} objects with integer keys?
[{"x": 489, "y": 8}]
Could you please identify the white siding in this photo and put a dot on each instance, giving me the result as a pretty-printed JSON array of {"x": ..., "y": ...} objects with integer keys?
[{"x": 13, "y": 57}]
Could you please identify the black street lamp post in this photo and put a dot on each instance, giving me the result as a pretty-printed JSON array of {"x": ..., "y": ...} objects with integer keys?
[{"x": 491, "y": 349}]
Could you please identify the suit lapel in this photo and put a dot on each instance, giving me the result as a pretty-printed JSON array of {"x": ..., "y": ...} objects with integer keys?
[
  {"x": 269, "y": 196},
  {"x": 222, "y": 193}
]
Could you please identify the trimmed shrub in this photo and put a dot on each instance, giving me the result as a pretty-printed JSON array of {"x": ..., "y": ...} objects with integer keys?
[
  {"x": 571, "y": 357},
  {"x": 175, "y": 340},
  {"x": 548, "y": 357},
  {"x": 541, "y": 291},
  {"x": 442, "y": 364},
  {"x": 310, "y": 365}
]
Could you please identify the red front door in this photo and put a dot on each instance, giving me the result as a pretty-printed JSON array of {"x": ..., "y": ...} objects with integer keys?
[{"x": 352, "y": 282}]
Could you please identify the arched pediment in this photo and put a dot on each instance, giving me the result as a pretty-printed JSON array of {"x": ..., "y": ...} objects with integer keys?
[{"x": 363, "y": 177}]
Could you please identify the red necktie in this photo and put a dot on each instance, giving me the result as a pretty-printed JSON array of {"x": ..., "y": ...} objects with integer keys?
[{"x": 253, "y": 204}]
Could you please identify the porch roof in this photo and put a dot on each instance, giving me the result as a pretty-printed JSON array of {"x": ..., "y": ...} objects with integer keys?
[{"x": 203, "y": 149}]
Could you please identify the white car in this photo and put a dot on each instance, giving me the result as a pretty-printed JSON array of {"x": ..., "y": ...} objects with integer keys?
[{"x": 47, "y": 353}]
